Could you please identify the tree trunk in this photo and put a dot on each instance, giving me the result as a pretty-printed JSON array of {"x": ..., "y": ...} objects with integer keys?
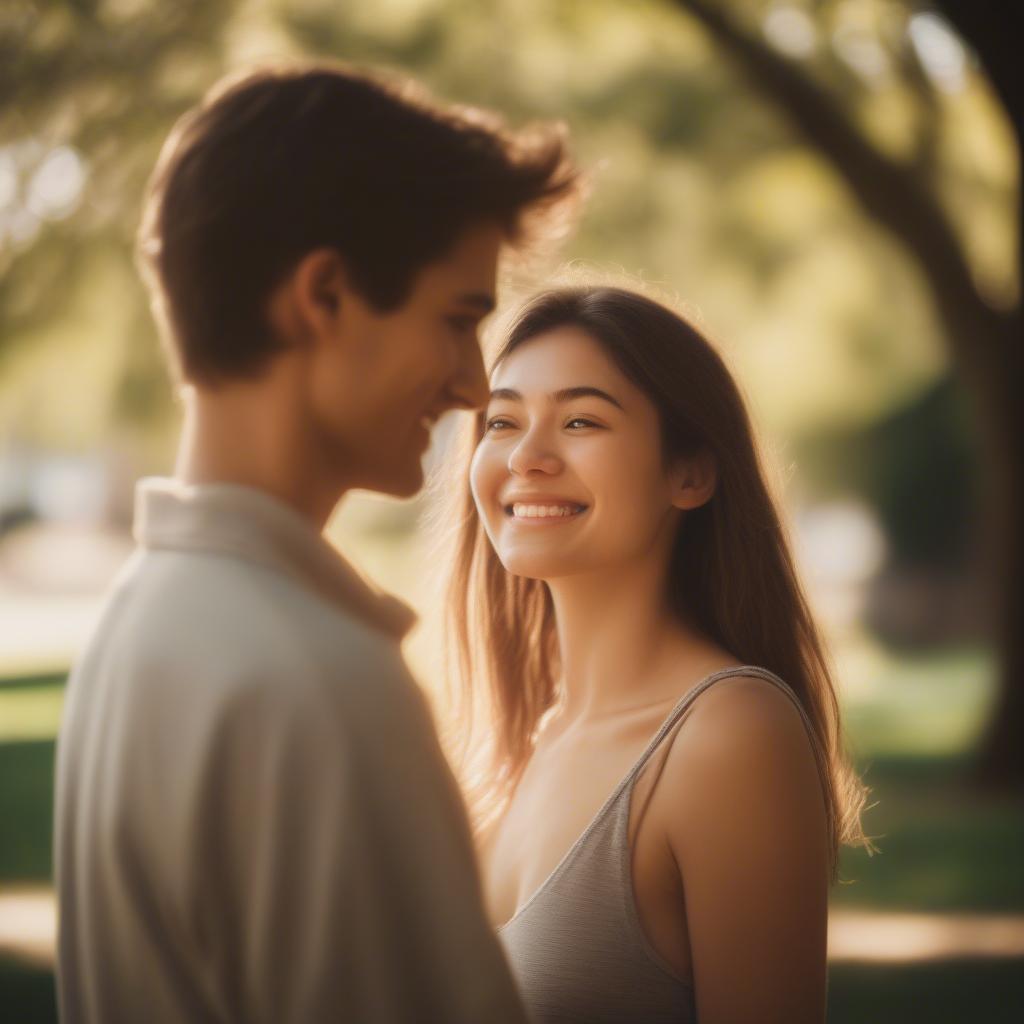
[
  {"x": 993, "y": 29},
  {"x": 1000, "y": 761}
]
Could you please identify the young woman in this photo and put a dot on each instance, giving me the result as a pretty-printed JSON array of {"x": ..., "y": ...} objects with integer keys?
[{"x": 659, "y": 786}]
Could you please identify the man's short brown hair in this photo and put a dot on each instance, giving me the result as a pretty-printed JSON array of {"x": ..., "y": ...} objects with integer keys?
[{"x": 285, "y": 160}]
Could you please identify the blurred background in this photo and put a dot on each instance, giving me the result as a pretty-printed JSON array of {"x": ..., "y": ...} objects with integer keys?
[{"x": 829, "y": 186}]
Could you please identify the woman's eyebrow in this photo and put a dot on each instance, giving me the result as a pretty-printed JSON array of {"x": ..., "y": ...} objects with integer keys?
[
  {"x": 567, "y": 394},
  {"x": 564, "y": 395}
]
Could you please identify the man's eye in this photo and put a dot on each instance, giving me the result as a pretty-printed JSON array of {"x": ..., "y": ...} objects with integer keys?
[{"x": 462, "y": 323}]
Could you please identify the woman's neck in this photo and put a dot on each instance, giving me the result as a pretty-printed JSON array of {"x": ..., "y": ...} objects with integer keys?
[{"x": 619, "y": 644}]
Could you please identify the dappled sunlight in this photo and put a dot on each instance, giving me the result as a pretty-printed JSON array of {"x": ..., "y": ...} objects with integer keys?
[
  {"x": 30, "y": 712},
  {"x": 908, "y": 938},
  {"x": 53, "y": 578},
  {"x": 37, "y": 184},
  {"x": 709, "y": 189},
  {"x": 28, "y": 925},
  {"x": 842, "y": 547}
]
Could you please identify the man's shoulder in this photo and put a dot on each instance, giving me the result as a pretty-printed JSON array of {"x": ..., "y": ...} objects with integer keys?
[
  {"x": 227, "y": 619},
  {"x": 193, "y": 584}
]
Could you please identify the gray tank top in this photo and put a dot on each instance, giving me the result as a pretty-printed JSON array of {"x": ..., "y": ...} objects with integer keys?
[{"x": 576, "y": 947}]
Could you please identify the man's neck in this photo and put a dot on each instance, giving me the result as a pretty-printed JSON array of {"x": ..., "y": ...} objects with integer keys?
[{"x": 254, "y": 436}]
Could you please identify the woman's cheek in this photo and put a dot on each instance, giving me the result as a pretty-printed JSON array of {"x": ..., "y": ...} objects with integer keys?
[
  {"x": 607, "y": 469},
  {"x": 629, "y": 489},
  {"x": 485, "y": 480}
]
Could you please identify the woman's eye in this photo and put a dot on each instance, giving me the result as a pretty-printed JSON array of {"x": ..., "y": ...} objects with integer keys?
[
  {"x": 496, "y": 424},
  {"x": 582, "y": 421}
]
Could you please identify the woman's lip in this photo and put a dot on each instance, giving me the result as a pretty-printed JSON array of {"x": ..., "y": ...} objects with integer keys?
[
  {"x": 541, "y": 499},
  {"x": 544, "y": 520}
]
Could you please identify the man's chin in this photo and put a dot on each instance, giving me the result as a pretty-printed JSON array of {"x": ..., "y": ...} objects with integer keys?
[{"x": 404, "y": 484}]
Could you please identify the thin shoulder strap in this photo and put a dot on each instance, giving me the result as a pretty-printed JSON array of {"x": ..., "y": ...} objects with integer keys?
[{"x": 691, "y": 695}]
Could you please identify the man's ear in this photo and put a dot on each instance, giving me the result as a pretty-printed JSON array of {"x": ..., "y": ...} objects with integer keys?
[
  {"x": 306, "y": 305},
  {"x": 318, "y": 282},
  {"x": 693, "y": 480}
]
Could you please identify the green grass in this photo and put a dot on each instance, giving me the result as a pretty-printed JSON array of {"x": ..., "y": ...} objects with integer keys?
[
  {"x": 27, "y": 994},
  {"x": 30, "y": 707},
  {"x": 953, "y": 992},
  {"x": 26, "y": 809},
  {"x": 31, "y": 681},
  {"x": 912, "y": 724},
  {"x": 929, "y": 704},
  {"x": 943, "y": 845}
]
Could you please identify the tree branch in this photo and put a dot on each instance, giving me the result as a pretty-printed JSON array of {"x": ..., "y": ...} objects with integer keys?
[
  {"x": 993, "y": 29},
  {"x": 887, "y": 190}
]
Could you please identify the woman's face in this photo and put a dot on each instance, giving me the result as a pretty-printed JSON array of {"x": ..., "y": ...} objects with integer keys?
[{"x": 569, "y": 477}]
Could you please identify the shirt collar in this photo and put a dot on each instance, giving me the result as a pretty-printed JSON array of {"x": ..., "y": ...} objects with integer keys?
[{"x": 246, "y": 523}]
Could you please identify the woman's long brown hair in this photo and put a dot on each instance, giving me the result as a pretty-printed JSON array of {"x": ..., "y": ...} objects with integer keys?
[{"x": 731, "y": 575}]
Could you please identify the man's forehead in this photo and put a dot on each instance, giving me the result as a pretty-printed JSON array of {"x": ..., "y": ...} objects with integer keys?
[
  {"x": 481, "y": 301},
  {"x": 476, "y": 251},
  {"x": 473, "y": 289}
]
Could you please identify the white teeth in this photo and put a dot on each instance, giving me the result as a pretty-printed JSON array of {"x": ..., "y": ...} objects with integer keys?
[{"x": 544, "y": 511}]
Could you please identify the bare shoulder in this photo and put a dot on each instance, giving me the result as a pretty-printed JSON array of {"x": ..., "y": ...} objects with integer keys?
[
  {"x": 741, "y": 809},
  {"x": 742, "y": 713},
  {"x": 743, "y": 744}
]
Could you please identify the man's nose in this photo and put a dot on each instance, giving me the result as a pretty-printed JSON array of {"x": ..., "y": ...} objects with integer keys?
[
  {"x": 532, "y": 453},
  {"x": 469, "y": 388}
]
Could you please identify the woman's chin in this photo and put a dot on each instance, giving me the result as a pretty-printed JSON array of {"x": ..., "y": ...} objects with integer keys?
[{"x": 534, "y": 566}]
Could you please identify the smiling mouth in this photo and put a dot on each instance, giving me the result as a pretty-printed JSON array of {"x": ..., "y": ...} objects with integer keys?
[{"x": 546, "y": 513}]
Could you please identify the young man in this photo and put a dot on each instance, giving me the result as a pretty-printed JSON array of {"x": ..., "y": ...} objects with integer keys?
[{"x": 254, "y": 821}]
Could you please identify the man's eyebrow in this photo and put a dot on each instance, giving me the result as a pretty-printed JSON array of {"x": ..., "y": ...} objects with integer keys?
[
  {"x": 479, "y": 300},
  {"x": 565, "y": 395}
]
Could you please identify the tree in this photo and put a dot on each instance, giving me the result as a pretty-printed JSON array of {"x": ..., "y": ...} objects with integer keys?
[
  {"x": 984, "y": 341},
  {"x": 685, "y": 160},
  {"x": 92, "y": 86}
]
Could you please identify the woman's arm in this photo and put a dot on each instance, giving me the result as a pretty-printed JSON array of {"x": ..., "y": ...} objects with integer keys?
[{"x": 748, "y": 831}]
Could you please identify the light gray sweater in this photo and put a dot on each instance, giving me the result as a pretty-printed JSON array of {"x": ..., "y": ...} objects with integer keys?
[{"x": 254, "y": 821}]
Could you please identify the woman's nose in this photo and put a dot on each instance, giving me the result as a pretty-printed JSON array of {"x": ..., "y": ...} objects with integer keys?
[{"x": 531, "y": 453}]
